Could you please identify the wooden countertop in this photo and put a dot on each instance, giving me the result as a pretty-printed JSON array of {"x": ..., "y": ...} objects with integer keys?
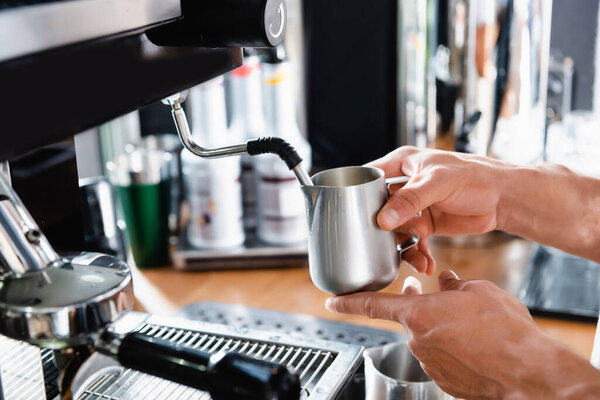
[{"x": 161, "y": 291}]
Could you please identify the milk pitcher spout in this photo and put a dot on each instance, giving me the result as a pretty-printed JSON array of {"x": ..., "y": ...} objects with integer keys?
[{"x": 311, "y": 196}]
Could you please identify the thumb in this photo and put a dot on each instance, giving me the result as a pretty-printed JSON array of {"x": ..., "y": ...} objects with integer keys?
[
  {"x": 417, "y": 195},
  {"x": 388, "y": 306},
  {"x": 448, "y": 280}
]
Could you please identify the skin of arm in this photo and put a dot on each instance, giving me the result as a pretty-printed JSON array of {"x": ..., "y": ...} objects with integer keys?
[{"x": 462, "y": 194}]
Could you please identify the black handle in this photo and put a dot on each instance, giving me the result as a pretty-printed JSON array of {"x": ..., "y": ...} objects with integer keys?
[
  {"x": 223, "y": 375},
  {"x": 225, "y": 23}
]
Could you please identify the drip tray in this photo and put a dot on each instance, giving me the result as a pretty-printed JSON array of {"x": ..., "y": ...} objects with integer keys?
[
  {"x": 325, "y": 367},
  {"x": 561, "y": 285},
  {"x": 295, "y": 325}
]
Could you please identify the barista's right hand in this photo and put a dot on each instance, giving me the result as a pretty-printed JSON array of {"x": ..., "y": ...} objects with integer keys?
[{"x": 458, "y": 194}]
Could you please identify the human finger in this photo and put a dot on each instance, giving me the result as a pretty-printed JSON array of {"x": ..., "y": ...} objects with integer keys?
[
  {"x": 388, "y": 306},
  {"x": 448, "y": 280},
  {"x": 416, "y": 259},
  {"x": 417, "y": 195},
  {"x": 412, "y": 286},
  {"x": 424, "y": 248},
  {"x": 396, "y": 163}
]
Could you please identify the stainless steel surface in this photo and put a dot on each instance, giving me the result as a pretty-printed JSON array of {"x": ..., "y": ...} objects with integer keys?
[
  {"x": 561, "y": 284},
  {"x": 5, "y": 171},
  {"x": 23, "y": 248},
  {"x": 297, "y": 325},
  {"x": 141, "y": 166},
  {"x": 416, "y": 78},
  {"x": 347, "y": 251},
  {"x": 67, "y": 304},
  {"x": 496, "y": 63},
  {"x": 172, "y": 144},
  {"x": 21, "y": 372},
  {"x": 185, "y": 135},
  {"x": 101, "y": 232},
  {"x": 302, "y": 175},
  {"x": 253, "y": 254},
  {"x": 393, "y": 373},
  {"x": 560, "y": 86},
  {"x": 33, "y": 28},
  {"x": 324, "y": 367}
]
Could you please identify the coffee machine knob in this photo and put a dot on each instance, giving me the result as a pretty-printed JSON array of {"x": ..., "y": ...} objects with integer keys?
[{"x": 225, "y": 23}]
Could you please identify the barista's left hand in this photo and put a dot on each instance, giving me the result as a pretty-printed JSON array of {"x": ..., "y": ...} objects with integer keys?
[{"x": 478, "y": 342}]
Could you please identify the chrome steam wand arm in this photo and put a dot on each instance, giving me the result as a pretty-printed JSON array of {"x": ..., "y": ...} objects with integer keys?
[
  {"x": 23, "y": 246},
  {"x": 253, "y": 147}
]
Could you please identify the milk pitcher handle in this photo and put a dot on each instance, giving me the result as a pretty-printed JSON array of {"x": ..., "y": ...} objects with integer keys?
[
  {"x": 398, "y": 179},
  {"x": 407, "y": 244},
  {"x": 413, "y": 241}
]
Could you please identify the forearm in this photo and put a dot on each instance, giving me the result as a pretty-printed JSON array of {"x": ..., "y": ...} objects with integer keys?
[
  {"x": 554, "y": 372},
  {"x": 551, "y": 205}
]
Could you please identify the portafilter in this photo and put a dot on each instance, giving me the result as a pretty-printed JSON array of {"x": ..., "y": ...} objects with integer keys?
[{"x": 70, "y": 302}]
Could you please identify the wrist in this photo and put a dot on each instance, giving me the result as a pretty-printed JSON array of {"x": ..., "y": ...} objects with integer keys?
[
  {"x": 509, "y": 180},
  {"x": 552, "y": 205},
  {"x": 552, "y": 371}
]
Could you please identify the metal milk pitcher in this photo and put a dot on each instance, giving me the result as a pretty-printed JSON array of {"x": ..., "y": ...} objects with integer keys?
[{"x": 347, "y": 250}]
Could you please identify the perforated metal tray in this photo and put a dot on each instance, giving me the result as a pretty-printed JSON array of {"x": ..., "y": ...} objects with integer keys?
[
  {"x": 21, "y": 372},
  {"x": 323, "y": 366},
  {"x": 297, "y": 325},
  {"x": 561, "y": 285}
]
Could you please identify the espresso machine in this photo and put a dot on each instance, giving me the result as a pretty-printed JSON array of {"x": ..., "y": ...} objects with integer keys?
[{"x": 67, "y": 66}]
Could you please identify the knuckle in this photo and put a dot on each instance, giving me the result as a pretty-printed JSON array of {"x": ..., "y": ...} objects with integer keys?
[
  {"x": 366, "y": 307},
  {"x": 407, "y": 149},
  {"x": 408, "y": 198},
  {"x": 428, "y": 370},
  {"x": 417, "y": 320},
  {"x": 415, "y": 348},
  {"x": 439, "y": 172},
  {"x": 455, "y": 284},
  {"x": 479, "y": 285},
  {"x": 471, "y": 285}
]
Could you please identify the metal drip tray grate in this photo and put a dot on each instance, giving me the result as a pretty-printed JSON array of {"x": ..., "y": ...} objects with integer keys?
[
  {"x": 21, "y": 373},
  {"x": 323, "y": 367},
  {"x": 117, "y": 383},
  {"x": 309, "y": 364}
]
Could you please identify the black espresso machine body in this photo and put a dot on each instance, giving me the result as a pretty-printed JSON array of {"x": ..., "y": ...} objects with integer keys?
[{"x": 66, "y": 66}]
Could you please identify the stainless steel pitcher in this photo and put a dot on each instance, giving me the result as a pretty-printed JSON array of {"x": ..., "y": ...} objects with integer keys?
[
  {"x": 347, "y": 250},
  {"x": 393, "y": 373}
]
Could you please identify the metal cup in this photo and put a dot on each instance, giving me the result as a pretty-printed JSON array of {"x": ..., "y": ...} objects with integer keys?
[
  {"x": 347, "y": 250},
  {"x": 100, "y": 230},
  {"x": 171, "y": 144},
  {"x": 142, "y": 182},
  {"x": 393, "y": 373}
]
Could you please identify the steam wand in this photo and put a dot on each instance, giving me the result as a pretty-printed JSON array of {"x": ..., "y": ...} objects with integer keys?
[{"x": 253, "y": 147}]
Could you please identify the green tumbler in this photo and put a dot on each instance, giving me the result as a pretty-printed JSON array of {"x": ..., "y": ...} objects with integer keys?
[{"x": 143, "y": 186}]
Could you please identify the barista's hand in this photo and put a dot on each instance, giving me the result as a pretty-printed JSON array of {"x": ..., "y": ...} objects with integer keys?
[
  {"x": 457, "y": 194},
  {"x": 462, "y": 194},
  {"x": 478, "y": 342}
]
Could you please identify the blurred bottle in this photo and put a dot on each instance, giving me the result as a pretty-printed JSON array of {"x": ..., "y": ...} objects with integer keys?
[
  {"x": 281, "y": 214},
  {"x": 213, "y": 188},
  {"x": 247, "y": 122}
]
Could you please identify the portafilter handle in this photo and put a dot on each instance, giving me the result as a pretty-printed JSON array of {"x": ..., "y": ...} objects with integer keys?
[
  {"x": 23, "y": 246},
  {"x": 225, "y": 375},
  {"x": 272, "y": 145}
]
